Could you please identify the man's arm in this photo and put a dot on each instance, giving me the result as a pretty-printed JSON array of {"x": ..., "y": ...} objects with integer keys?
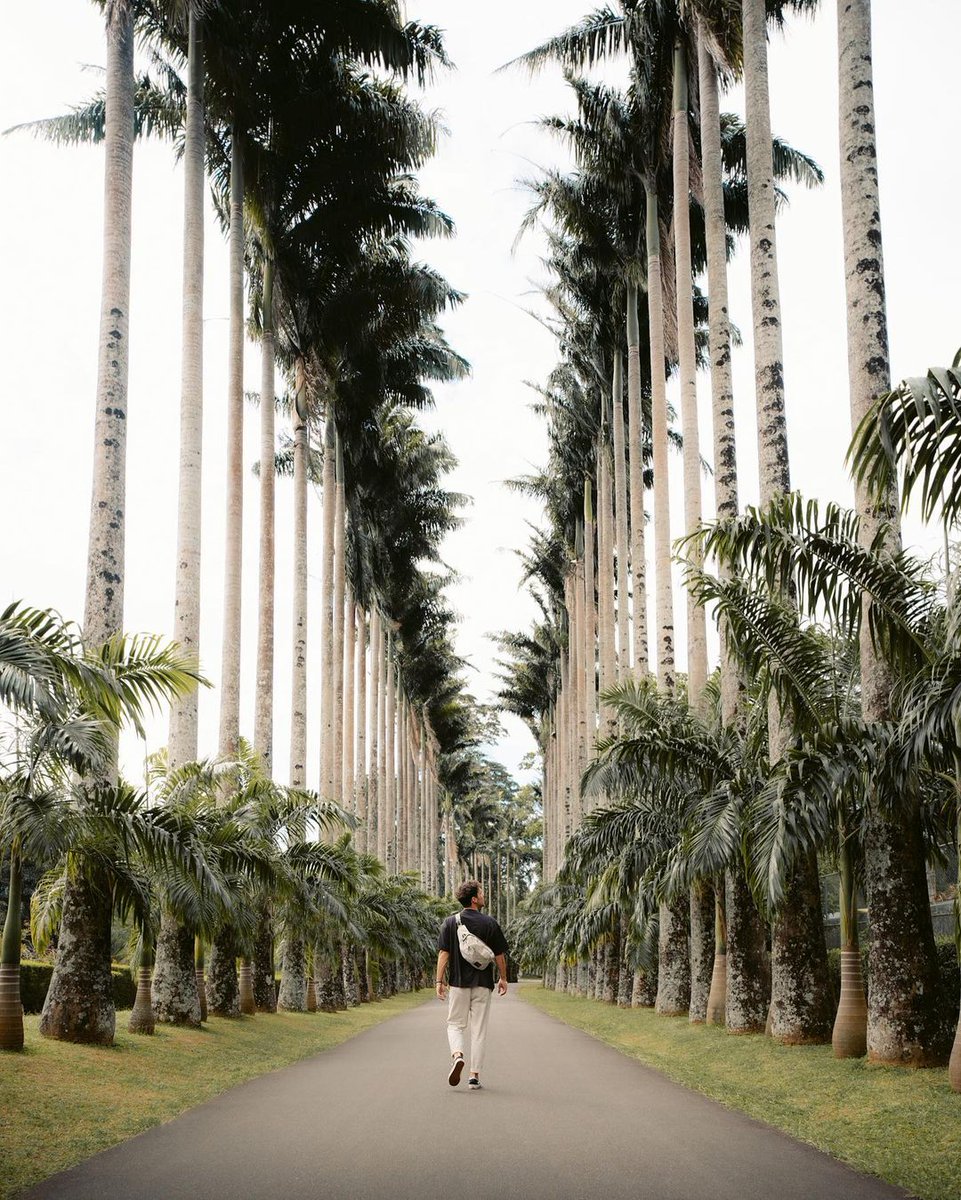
[
  {"x": 442, "y": 957},
  {"x": 501, "y": 960}
]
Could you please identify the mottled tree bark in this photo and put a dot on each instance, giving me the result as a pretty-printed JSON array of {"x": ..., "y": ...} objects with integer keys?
[
  {"x": 902, "y": 1027},
  {"x": 748, "y": 974},
  {"x": 702, "y": 950},
  {"x": 79, "y": 1004},
  {"x": 664, "y": 600},
  {"x": 223, "y": 986},
  {"x": 673, "y": 959},
  {"x": 293, "y": 988},
  {"x": 264, "y": 985},
  {"x": 801, "y": 1001},
  {"x": 687, "y": 372},
  {"x": 175, "y": 998}
]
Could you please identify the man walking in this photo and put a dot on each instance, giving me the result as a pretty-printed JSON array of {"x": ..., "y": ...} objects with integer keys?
[{"x": 470, "y": 988}]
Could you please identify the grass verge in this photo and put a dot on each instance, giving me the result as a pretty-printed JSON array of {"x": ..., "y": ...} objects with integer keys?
[
  {"x": 61, "y": 1103},
  {"x": 903, "y": 1126}
]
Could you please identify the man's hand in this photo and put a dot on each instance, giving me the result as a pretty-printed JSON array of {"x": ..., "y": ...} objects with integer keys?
[
  {"x": 502, "y": 986},
  {"x": 441, "y": 990},
  {"x": 502, "y": 971}
]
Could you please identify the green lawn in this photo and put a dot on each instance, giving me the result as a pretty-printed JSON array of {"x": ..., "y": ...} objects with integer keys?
[
  {"x": 904, "y": 1126},
  {"x": 61, "y": 1103}
]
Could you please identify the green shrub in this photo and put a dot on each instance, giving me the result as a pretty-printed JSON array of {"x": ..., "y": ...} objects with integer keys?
[{"x": 35, "y": 980}]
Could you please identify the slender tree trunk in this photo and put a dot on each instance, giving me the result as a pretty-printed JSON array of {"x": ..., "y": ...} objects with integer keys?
[
  {"x": 362, "y": 778},
  {"x": 605, "y": 583},
  {"x": 390, "y": 759},
  {"x": 589, "y": 657},
  {"x": 376, "y": 745},
  {"x": 234, "y": 484},
  {"x": 382, "y": 685},
  {"x": 799, "y": 979},
  {"x": 702, "y": 950},
  {"x": 725, "y": 479},
  {"x": 103, "y": 609},
  {"x": 350, "y": 698},
  {"x": 199, "y": 972},
  {"x": 337, "y": 732},
  {"x": 183, "y": 717},
  {"x": 687, "y": 369},
  {"x": 635, "y": 437},
  {"x": 265, "y": 989},
  {"x": 298, "y": 674},
  {"x": 901, "y": 1020},
  {"x": 68, "y": 1014},
  {"x": 765, "y": 291},
  {"x": 664, "y": 601},
  {"x": 11, "y": 1008},
  {"x": 264, "y": 698},
  {"x": 327, "y": 617},
  {"x": 176, "y": 999},
  {"x": 621, "y": 524}
]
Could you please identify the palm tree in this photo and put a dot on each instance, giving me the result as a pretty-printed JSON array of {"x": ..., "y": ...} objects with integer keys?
[
  {"x": 75, "y": 701},
  {"x": 897, "y": 891}
]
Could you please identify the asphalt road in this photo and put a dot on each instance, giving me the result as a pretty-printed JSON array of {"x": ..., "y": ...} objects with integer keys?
[{"x": 561, "y": 1117}]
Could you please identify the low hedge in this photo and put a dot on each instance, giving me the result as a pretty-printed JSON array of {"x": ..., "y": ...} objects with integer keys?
[{"x": 35, "y": 980}]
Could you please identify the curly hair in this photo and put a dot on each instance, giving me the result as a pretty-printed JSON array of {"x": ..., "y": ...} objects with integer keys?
[{"x": 467, "y": 891}]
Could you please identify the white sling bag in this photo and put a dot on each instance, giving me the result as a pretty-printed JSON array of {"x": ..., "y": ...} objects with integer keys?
[{"x": 472, "y": 949}]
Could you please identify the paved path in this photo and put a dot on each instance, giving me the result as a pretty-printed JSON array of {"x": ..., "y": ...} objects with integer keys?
[{"x": 562, "y": 1117}]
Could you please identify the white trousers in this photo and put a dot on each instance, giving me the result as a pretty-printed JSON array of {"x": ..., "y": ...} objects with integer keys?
[{"x": 468, "y": 1006}]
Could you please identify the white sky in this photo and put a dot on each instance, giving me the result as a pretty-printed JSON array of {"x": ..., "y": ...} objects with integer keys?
[{"x": 50, "y": 233}]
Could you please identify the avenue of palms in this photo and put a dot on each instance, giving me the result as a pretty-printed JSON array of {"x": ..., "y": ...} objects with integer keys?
[{"x": 743, "y": 703}]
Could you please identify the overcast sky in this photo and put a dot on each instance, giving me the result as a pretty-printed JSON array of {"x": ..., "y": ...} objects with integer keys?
[{"x": 50, "y": 228}]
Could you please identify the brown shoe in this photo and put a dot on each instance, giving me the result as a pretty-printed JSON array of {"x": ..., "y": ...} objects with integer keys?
[{"x": 456, "y": 1071}]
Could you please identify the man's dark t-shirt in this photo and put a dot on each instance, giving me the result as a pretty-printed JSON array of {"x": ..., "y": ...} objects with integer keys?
[{"x": 460, "y": 973}]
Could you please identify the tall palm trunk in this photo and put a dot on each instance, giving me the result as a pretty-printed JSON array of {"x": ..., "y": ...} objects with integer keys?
[
  {"x": 375, "y": 793},
  {"x": 234, "y": 484},
  {"x": 327, "y": 612},
  {"x": 901, "y": 1020},
  {"x": 739, "y": 937},
  {"x": 687, "y": 369},
  {"x": 390, "y": 758},
  {"x": 621, "y": 524},
  {"x": 350, "y": 700},
  {"x": 361, "y": 782},
  {"x": 383, "y": 838},
  {"x": 264, "y": 699},
  {"x": 799, "y": 980},
  {"x": 635, "y": 437},
  {"x": 298, "y": 673},
  {"x": 605, "y": 582},
  {"x": 664, "y": 601},
  {"x": 337, "y": 659},
  {"x": 590, "y": 626},
  {"x": 183, "y": 719},
  {"x": 176, "y": 1000},
  {"x": 292, "y": 996},
  {"x": 73, "y": 1008},
  {"x": 222, "y": 994}
]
